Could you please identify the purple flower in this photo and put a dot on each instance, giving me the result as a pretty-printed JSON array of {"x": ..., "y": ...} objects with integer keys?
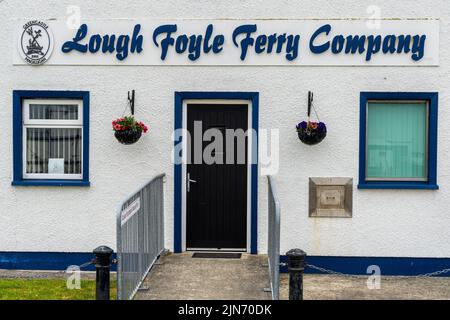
[{"x": 302, "y": 125}]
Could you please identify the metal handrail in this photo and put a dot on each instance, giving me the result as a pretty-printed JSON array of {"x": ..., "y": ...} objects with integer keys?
[
  {"x": 273, "y": 247},
  {"x": 140, "y": 237}
]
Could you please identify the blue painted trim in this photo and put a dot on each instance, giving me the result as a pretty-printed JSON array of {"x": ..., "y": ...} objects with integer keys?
[
  {"x": 397, "y": 185},
  {"x": 178, "y": 124},
  {"x": 17, "y": 136},
  {"x": 406, "y": 266},
  {"x": 18, "y": 97},
  {"x": 395, "y": 266},
  {"x": 432, "y": 98},
  {"x": 254, "y": 181},
  {"x": 86, "y": 138},
  {"x": 46, "y": 260},
  {"x": 50, "y": 182}
]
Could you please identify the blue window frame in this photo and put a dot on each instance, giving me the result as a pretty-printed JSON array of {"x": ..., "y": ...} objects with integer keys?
[
  {"x": 76, "y": 120},
  {"x": 384, "y": 116}
]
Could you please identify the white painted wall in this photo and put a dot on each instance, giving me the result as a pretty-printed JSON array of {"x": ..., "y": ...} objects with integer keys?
[{"x": 385, "y": 222}]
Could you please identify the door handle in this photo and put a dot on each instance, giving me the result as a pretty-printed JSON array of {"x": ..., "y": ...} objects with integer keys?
[{"x": 188, "y": 182}]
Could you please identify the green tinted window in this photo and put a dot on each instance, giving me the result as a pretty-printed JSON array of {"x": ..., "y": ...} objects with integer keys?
[{"x": 397, "y": 140}]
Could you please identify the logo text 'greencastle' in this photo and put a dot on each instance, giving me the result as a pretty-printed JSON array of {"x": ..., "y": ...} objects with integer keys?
[{"x": 245, "y": 37}]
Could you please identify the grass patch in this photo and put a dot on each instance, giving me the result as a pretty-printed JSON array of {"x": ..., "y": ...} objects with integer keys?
[{"x": 48, "y": 289}]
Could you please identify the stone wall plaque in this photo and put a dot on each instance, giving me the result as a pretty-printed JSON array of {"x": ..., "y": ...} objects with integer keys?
[{"x": 330, "y": 197}]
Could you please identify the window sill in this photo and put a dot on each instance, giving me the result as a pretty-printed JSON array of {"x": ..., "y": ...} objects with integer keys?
[
  {"x": 55, "y": 183},
  {"x": 397, "y": 185}
]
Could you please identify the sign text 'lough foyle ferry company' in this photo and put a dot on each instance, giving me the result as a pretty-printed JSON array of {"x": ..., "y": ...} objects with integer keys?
[{"x": 232, "y": 42}]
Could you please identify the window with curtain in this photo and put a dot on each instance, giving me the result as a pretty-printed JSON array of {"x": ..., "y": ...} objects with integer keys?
[
  {"x": 397, "y": 140},
  {"x": 52, "y": 138}
]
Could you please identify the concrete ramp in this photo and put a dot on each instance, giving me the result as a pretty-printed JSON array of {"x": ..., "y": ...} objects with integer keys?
[{"x": 179, "y": 276}]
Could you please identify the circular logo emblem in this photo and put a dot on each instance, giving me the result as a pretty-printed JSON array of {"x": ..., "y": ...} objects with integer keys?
[{"x": 36, "y": 42}]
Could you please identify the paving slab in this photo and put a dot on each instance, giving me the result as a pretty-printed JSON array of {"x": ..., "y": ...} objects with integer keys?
[
  {"x": 331, "y": 287},
  {"x": 179, "y": 277}
]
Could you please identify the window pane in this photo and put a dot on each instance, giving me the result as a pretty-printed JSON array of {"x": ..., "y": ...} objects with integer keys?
[
  {"x": 59, "y": 147},
  {"x": 397, "y": 140},
  {"x": 53, "y": 112}
]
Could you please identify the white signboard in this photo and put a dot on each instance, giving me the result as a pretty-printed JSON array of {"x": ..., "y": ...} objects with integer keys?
[
  {"x": 129, "y": 211},
  {"x": 345, "y": 42}
]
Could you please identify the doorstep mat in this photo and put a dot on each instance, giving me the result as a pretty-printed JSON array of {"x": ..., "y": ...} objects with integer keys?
[{"x": 217, "y": 255}]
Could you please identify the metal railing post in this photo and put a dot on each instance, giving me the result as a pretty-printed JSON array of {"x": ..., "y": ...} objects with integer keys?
[
  {"x": 140, "y": 236},
  {"x": 102, "y": 272},
  {"x": 296, "y": 267},
  {"x": 273, "y": 247}
]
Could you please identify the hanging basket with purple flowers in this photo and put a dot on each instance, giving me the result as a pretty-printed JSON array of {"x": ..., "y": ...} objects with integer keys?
[{"x": 310, "y": 132}]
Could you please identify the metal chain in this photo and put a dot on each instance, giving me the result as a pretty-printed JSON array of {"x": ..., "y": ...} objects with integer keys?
[
  {"x": 87, "y": 263},
  {"x": 93, "y": 261},
  {"x": 425, "y": 275},
  {"x": 315, "y": 112},
  {"x": 332, "y": 272},
  {"x": 432, "y": 274},
  {"x": 128, "y": 106}
]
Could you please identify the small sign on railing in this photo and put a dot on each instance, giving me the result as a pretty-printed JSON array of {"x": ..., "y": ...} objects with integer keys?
[{"x": 129, "y": 211}]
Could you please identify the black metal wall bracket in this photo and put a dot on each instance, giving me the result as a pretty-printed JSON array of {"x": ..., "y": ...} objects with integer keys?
[
  {"x": 131, "y": 101},
  {"x": 310, "y": 101}
]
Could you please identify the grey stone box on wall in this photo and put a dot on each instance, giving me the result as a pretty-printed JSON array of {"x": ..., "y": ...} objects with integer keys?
[{"x": 330, "y": 197}]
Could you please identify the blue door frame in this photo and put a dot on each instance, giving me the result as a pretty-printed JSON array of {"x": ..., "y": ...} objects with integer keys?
[{"x": 178, "y": 124}]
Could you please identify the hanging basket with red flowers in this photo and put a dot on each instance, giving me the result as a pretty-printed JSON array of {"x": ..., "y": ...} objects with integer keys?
[
  {"x": 310, "y": 132},
  {"x": 127, "y": 130}
]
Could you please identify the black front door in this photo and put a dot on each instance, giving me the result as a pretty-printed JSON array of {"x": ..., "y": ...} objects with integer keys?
[{"x": 216, "y": 191}]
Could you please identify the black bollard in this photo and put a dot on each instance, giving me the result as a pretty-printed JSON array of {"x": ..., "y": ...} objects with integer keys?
[
  {"x": 296, "y": 267},
  {"x": 102, "y": 269}
]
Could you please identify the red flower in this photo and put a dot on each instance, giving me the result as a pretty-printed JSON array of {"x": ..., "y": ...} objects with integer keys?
[
  {"x": 313, "y": 125},
  {"x": 128, "y": 123}
]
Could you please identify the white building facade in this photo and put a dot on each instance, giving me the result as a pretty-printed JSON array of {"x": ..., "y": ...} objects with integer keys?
[{"x": 399, "y": 199}]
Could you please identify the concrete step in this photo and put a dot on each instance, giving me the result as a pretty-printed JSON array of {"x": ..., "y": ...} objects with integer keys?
[{"x": 179, "y": 276}]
